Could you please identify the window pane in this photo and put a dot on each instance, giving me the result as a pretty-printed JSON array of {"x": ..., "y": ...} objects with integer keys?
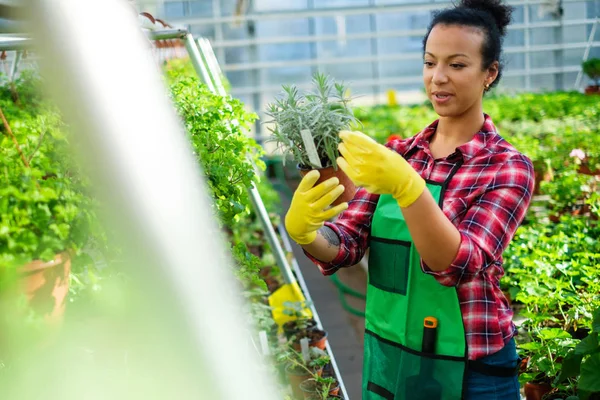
[
  {"x": 543, "y": 59},
  {"x": 276, "y": 5},
  {"x": 349, "y": 73},
  {"x": 201, "y": 8},
  {"x": 287, "y": 27},
  {"x": 284, "y": 52},
  {"x": 511, "y": 83},
  {"x": 342, "y": 48},
  {"x": 174, "y": 9},
  {"x": 339, "y": 3},
  {"x": 514, "y": 61},
  {"x": 391, "y": 69},
  {"x": 239, "y": 79},
  {"x": 287, "y": 75},
  {"x": 340, "y": 25}
]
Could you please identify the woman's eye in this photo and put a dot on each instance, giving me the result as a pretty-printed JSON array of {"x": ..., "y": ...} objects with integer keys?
[
  {"x": 428, "y": 63},
  {"x": 457, "y": 66}
]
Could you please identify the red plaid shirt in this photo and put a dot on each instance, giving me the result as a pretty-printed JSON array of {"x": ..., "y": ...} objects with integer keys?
[{"x": 486, "y": 200}]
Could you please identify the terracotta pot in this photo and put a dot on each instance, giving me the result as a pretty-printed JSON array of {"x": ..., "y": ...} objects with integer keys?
[
  {"x": 592, "y": 89},
  {"x": 46, "y": 285},
  {"x": 535, "y": 391},
  {"x": 329, "y": 172}
]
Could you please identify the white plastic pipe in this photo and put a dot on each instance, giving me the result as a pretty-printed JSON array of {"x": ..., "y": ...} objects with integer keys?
[{"x": 191, "y": 338}]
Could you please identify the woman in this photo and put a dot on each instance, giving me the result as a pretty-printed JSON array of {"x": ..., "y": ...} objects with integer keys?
[{"x": 436, "y": 210}]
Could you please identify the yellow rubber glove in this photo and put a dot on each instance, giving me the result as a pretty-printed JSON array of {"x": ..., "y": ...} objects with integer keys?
[
  {"x": 309, "y": 209},
  {"x": 379, "y": 169}
]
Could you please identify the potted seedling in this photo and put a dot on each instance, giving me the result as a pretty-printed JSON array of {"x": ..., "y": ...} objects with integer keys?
[
  {"x": 591, "y": 68},
  {"x": 320, "y": 387},
  {"x": 301, "y": 327},
  {"x": 306, "y": 126},
  {"x": 300, "y": 367},
  {"x": 300, "y": 323}
]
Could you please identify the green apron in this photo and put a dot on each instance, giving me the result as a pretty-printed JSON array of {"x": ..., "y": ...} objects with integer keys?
[{"x": 400, "y": 296}]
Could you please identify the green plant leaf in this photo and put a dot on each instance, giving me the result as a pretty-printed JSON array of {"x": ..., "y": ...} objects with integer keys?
[
  {"x": 596, "y": 320},
  {"x": 571, "y": 367},
  {"x": 590, "y": 374},
  {"x": 589, "y": 345}
]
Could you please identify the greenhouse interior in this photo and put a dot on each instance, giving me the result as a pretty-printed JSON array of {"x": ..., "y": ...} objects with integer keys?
[{"x": 198, "y": 197}]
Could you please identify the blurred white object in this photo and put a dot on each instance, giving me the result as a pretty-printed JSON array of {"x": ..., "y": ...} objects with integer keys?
[{"x": 183, "y": 321}]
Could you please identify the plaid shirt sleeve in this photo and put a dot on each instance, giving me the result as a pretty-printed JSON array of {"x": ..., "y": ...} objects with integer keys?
[
  {"x": 353, "y": 226},
  {"x": 491, "y": 222}
]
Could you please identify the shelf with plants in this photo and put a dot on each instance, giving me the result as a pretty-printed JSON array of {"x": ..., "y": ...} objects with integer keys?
[
  {"x": 552, "y": 265},
  {"x": 217, "y": 128}
]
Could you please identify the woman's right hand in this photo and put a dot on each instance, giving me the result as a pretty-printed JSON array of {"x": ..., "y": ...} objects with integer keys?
[{"x": 309, "y": 208}]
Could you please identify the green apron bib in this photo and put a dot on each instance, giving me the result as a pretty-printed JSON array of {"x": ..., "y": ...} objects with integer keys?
[{"x": 400, "y": 296}]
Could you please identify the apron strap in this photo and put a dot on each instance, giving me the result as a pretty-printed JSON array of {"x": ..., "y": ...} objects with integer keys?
[{"x": 493, "y": 370}]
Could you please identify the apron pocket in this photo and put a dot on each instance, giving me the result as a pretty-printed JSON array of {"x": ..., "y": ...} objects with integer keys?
[
  {"x": 388, "y": 265},
  {"x": 423, "y": 377},
  {"x": 381, "y": 369}
]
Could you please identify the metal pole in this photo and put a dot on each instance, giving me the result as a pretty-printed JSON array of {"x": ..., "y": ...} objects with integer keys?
[
  {"x": 184, "y": 321},
  {"x": 197, "y": 62},
  {"x": 586, "y": 53},
  {"x": 15, "y": 65}
]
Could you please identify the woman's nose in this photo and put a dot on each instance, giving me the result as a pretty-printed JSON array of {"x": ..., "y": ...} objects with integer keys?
[{"x": 439, "y": 75}]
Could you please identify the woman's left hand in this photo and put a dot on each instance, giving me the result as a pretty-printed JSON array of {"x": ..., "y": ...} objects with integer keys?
[{"x": 379, "y": 169}]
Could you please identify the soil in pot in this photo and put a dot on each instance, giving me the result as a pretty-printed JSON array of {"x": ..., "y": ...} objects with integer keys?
[
  {"x": 329, "y": 172},
  {"x": 316, "y": 338},
  {"x": 292, "y": 328}
]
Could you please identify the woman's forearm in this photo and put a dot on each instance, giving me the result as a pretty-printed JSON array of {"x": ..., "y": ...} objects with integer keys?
[
  {"x": 437, "y": 240},
  {"x": 325, "y": 247}
]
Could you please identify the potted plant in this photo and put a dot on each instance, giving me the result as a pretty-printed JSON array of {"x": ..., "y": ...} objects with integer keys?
[
  {"x": 298, "y": 369},
  {"x": 320, "y": 387},
  {"x": 591, "y": 68},
  {"x": 583, "y": 362},
  {"x": 306, "y": 127},
  {"x": 46, "y": 216},
  {"x": 546, "y": 354}
]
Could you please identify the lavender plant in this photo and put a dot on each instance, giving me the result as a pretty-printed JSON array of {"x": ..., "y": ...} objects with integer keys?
[{"x": 325, "y": 112}]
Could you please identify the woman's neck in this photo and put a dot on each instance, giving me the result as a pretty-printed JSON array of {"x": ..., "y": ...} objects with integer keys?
[{"x": 453, "y": 132}]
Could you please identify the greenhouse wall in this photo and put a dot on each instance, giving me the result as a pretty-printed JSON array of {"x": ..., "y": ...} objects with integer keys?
[{"x": 375, "y": 45}]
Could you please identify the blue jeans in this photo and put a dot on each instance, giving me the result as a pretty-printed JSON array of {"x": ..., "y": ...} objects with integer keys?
[{"x": 483, "y": 387}]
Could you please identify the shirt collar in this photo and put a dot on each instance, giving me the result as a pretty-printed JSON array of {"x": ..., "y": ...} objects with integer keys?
[{"x": 467, "y": 150}]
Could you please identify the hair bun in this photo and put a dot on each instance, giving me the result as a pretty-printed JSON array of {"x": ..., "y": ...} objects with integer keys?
[{"x": 501, "y": 12}]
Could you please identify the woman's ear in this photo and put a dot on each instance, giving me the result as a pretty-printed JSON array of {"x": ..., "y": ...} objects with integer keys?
[{"x": 492, "y": 72}]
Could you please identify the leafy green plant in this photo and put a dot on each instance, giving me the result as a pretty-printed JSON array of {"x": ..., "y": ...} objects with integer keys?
[
  {"x": 591, "y": 68},
  {"x": 546, "y": 353},
  {"x": 324, "y": 112},
  {"x": 584, "y": 362},
  {"x": 216, "y": 126},
  {"x": 45, "y": 207}
]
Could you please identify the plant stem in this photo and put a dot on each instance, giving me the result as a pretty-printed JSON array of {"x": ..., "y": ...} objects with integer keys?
[{"x": 12, "y": 136}]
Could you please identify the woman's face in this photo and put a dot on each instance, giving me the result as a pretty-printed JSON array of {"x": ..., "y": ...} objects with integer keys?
[{"x": 452, "y": 69}]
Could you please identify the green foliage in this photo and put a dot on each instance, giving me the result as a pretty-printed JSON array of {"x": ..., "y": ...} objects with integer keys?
[
  {"x": 216, "y": 126},
  {"x": 44, "y": 207},
  {"x": 325, "y": 112},
  {"x": 591, "y": 68}
]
